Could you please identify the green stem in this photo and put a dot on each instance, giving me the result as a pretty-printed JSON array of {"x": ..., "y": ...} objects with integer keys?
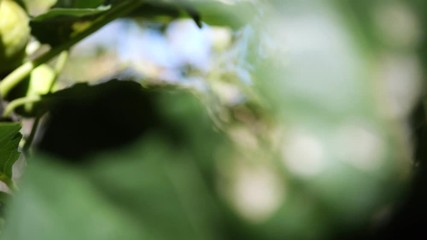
[
  {"x": 62, "y": 59},
  {"x": 19, "y": 102},
  {"x": 59, "y": 66},
  {"x": 29, "y": 141},
  {"x": 14, "y": 78}
]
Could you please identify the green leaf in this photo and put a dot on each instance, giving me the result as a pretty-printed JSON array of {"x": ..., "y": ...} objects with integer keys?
[
  {"x": 162, "y": 188},
  {"x": 156, "y": 10},
  {"x": 154, "y": 188},
  {"x": 195, "y": 15},
  {"x": 219, "y": 14},
  {"x": 60, "y": 24},
  {"x": 58, "y": 13},
  {"x": 56, "y": 203},
  {"x": 78, "y": 3},
  {"x": 152, "y": 192},
  {"x": 9, "y": 141}
]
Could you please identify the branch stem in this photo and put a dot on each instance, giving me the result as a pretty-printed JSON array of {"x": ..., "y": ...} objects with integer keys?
[{"x": 20, "y": 73}]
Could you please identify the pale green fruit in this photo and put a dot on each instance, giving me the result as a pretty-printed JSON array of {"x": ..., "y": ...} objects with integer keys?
[
  {"x": 42, "y": 78},
  {"x": 41, "y": 81},
  {"x": 14, "y": 35}
]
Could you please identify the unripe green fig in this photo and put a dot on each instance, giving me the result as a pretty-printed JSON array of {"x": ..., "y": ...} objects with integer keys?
[
  {"x": 37, "y": 84},
  {"x": 14, "y": 35},
  {"x": 41, "y": 79}
]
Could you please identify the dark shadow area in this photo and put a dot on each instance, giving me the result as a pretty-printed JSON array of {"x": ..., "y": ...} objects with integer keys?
[{"x": 84, "y": 120}]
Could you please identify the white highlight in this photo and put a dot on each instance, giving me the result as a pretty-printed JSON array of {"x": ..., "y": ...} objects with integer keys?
[
  {"x": 257, "y": 193},
  {"x": 303, "y": 154},
  {"x": 360, "y": 147}
]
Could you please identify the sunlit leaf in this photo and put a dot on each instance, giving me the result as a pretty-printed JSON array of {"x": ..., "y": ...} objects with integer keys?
[{"x": 233, "y": 15}]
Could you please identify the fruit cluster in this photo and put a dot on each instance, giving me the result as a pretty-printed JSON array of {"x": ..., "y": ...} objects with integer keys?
[{"x": 14, "y": 35}]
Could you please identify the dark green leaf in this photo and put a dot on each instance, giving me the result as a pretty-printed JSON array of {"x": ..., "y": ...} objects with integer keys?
[
  {"x": 9, "y": 141},
  {"x": 220, "y": 14},
  {"x": 194, "y": 15},
  {"x": 78, "y": 3},
  {"x": 111, "y": 115},
  {"x": 115, "y": 113},
  {"x": 59, "y": 24},
  {"x": 152, "y": 10},
  {"x": 56, "y": 13}
]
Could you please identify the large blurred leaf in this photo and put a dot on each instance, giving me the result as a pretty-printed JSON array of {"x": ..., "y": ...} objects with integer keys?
[
  {"x": 163, "y": 189},
  {"x": 56, "y": 203},
  {"x": 153, "y": 190},
  {"x": 156, "y": 188},
  {"x": 9, "y": 141}
]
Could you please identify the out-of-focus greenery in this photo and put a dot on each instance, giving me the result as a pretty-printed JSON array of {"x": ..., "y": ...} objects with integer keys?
[{"x": 297, "y": 128}]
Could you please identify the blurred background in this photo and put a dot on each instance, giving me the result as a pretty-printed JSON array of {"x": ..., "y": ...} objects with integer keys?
[{"x": 274, "y": 120}]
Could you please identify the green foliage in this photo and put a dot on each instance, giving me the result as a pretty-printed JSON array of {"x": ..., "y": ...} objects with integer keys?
[
  {"x": 218, "y": 14},
  {"x": 152, "y": 189},
  {"x": 14, "y": 35},
  {"x": 78, "y": 3},
  {"x": 308, "y": 147},
  {"x": 147, "y": 192},
  {"x": 9, "y": 141},
  {"x": 59, "y": 25},
  {"x": 68, "y": 18}
]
